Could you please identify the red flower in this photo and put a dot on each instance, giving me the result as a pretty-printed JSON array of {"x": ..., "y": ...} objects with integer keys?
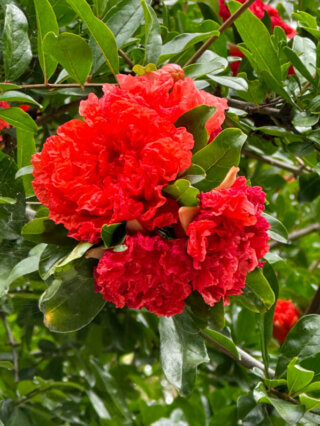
[
  {"x": 171, "y": 95},
  {"x": 285, "y": 317},
  {"x": 4, "y": 124},
  {"x": 258, "y": 8},
  {"x": 226, "y": 239},
  {"x": 152, "y": 273},
  {"x": 111, "y": 167}
]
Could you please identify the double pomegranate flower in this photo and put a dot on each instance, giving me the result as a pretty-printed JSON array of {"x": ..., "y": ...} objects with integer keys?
[{"x": 112, "y": 167}]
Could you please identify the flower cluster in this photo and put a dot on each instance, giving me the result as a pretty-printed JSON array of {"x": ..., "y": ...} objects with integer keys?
[
  {"x": 113, "y": 166},
  {"x": 258, "y": 8},
  {"x": 285, "y": 317}
]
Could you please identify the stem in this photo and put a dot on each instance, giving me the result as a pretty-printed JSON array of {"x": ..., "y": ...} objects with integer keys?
[
  {"x": 273, "y": 162},
  {"x": 244, "y": 358},
  {"x": 299, "y": 233},
  {"x": 126, "y": 58},
  {"x": 13, "y": 345},
  {"x": 228, "y": 23},
  {"x": 314, "y": 306},
  {"x": 250, "y": 108}
]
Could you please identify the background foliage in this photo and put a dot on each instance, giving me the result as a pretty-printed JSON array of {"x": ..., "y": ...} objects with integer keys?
[{"x": 109, "y": 372}]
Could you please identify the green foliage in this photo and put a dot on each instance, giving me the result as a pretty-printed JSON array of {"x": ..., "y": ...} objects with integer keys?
[{"x": 81, "y": 361}]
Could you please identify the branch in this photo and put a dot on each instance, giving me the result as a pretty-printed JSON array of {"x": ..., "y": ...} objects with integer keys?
[
  {"x": 254, "y": 109},
  {"x": 314, "y": 227},
  {"x": 228, "y": 23},
  {"x": 244, "y": 358},
  {"x": 13, "y": 345},
  {"x": 273, "y": 162},
  {"x": 126, "y": 58},
  {"x": 59, "y": 86}
]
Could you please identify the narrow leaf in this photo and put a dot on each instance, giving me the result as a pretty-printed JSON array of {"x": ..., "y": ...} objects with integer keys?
[
  {"x": 153, "y": 41},
  {"x": 26, "y": 146},
  {"x": 19, "y": 119}
]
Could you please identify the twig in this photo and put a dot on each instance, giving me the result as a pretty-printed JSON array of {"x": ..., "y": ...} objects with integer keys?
[
  {"x": 13, "y": 345},
  {"x": 252, "y": 108},
  {"x": 59, "y": 85},
  {"x": 244, "y": 358},
  {"x": 221, "y": 29},
  {"x": 299, "y": 233},
  {"x": 314, "y": 305},
  {"x": 126, "y": 58},
  {"x": 273, "y": 162}
]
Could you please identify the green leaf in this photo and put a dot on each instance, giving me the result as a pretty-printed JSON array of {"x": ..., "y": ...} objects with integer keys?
[
  {"x": 223, "y": 341},
  {"x": 8, "y": 86},
  {"x": 182, "y": 42},
  {"x": 19, "y": 119},
  {"x": 6, "y": 364},
  {"x": 13, "y": 96},
  {"x": 303, "y": 342},
  {"x": 50, "y": 257},
  {"x": 44, "y": 230},
  {"x": 72, "y": 52},
  {"x": 274, "y": 383},
  {"x": 70, "y": 302},
  {"x": 236, "y": 83},
  {"x": 197, "y": 70},
  {"x": 291, "y": 413},
  {"x": 24, "y": 267},
  {"x": 309, "y": 402},
  {"x": 298, "y": 378},
  {"x": 153, "y": 41},
  {"x": 250, "y": 27},
  {"x": 123, "y": 19},
  {"x": 193, "y": 174},
  {"x": 100, "y": 32},
  {"x": 46, "y": 23},
  {"x": 7, "y": 200},
  {"x": 277, "y": 231},
  {"x": 298, "y": 64},
  {"x": 314, "y": 105},
  {"x": 114, "y": 234},
  {"x": 257, "y": 282},
  {"x": 195, "y": 121},
  {"x": 27, "y": 170},
  {"x": 26, "y": 146},
  {"x": 251, "y": 301},
  {"x": 182, "y": 349},
  {"x": 16, "y": 47},
  {"x": 182, "y": 191},
  {"x": 219, "y": 156},
  {"x": 98, "y": 405},
  {"x": 78, "y": 252},
  {"x": 309, "y": 187}
]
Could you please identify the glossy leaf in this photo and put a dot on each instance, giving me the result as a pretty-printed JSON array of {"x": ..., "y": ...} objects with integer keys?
[
  {"x": 309, "y": 402},
  {"x": 302, "y": 341},
  {"x": 14, "y": 96},
  {"x": 194, "y": 121},
  {"x": 72, "y": 52},
  {"x": 182, "y": 349},
  {"x": 44, "y": 230},
  {"x": 16, "y": 47},
  {"x": 26, "y": 147},
  {"x": 19, "y": 119},
  {"x": 265, "y": 56},
  {"x": 182, "y": 191},
  {"x": 277, "y": 231},
  {"x": 46, "y": 23},
  {"x": 215, "y": 66},
  {"x": 123, "y": 19},
  {"x": 153, "y": 41},
  {"x": 223, "y": 341},
  {"x": 114, "y": 234},
  {"x": 219, "y": 156},
  {"x": 298, "y": 378},
  {"x": 70, "y": 302},
  {"x": 100, "y": 32},
  {"x": 193, "y": 174},
  {"x": 257, "y": 283}
]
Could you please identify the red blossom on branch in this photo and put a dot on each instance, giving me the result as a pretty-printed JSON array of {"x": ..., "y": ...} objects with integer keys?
[
  {"x": 113, "y": 166},
  {"x": 152, "y": 273},
  {"x": 226, "y": 239},
  {"x": 285, "y": 317}
]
